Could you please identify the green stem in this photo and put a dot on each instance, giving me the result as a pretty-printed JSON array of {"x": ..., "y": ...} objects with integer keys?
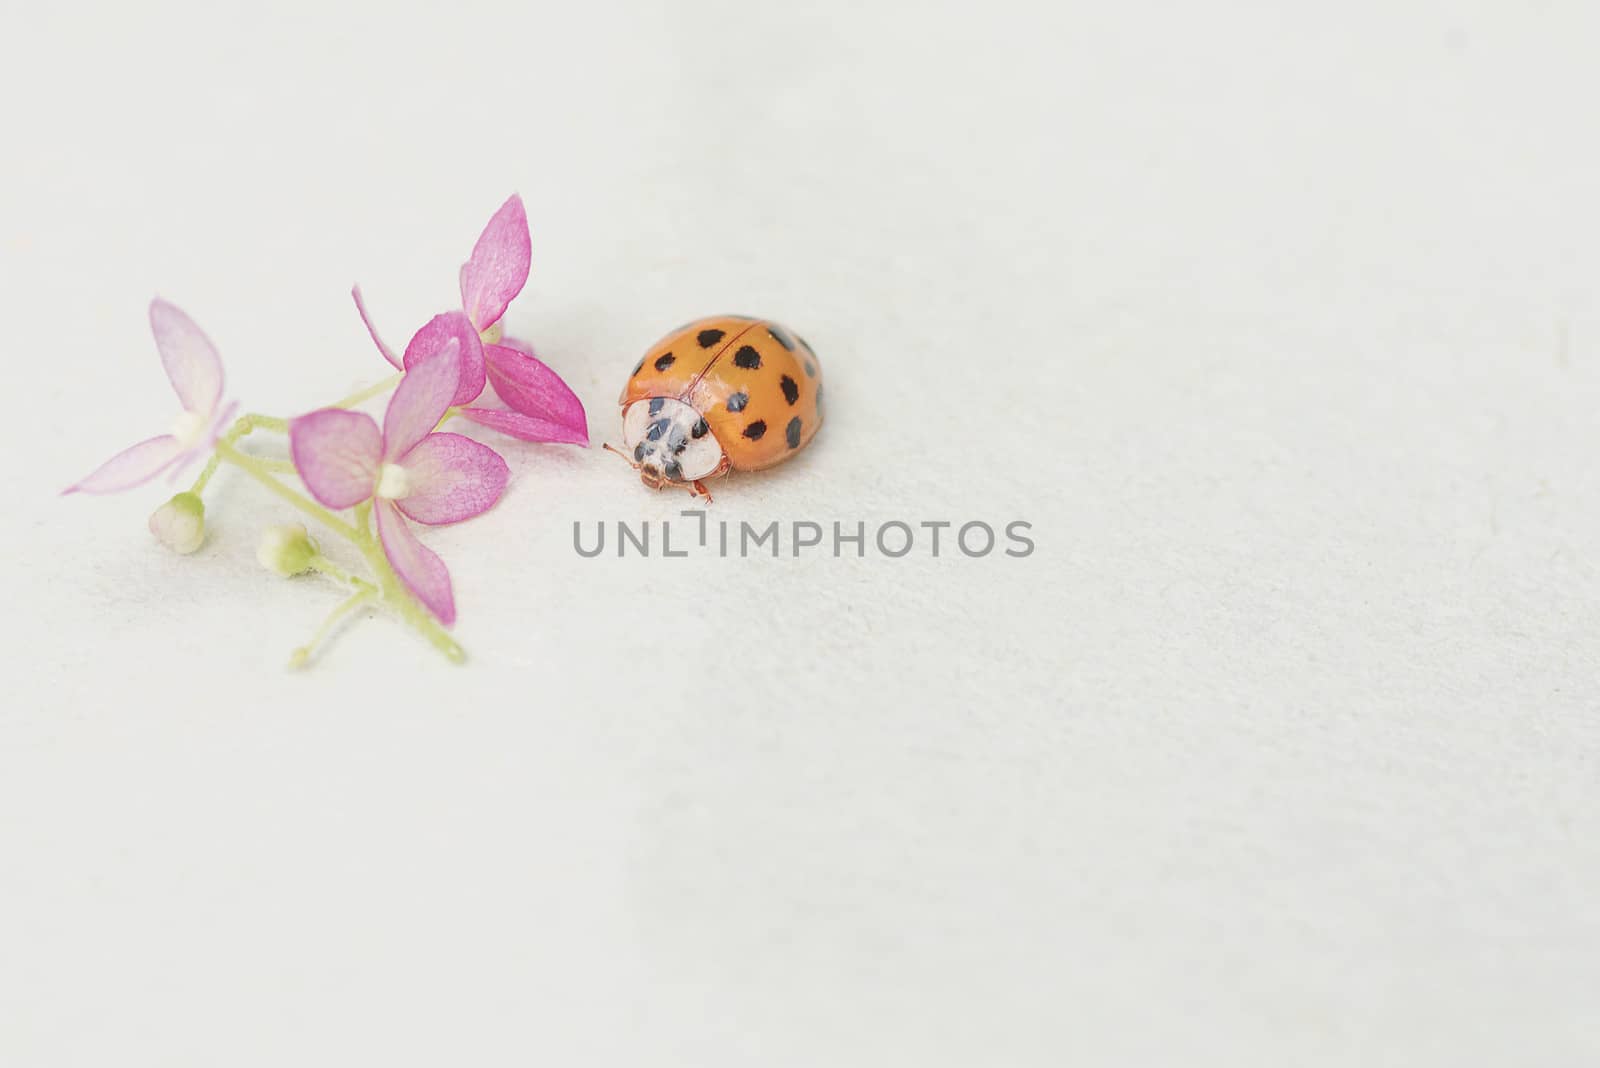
[
  {"x": 322, "y": 565},
  {"x": 241, "y": 426},
  {"x": 258, "y": 471},
  {"x": 205, "y": 474},
  {"x": 367, "y": 394},
  {"x": 302, "y": 656}
]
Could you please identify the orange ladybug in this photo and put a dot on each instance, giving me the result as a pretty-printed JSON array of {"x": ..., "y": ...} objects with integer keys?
[{"x": 720, "y": 393}]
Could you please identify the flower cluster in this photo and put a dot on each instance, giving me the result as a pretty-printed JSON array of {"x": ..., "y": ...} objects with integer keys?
[{"x": 368, "y": 483}]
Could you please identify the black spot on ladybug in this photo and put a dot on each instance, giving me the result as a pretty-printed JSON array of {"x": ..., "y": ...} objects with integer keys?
[
  {"x": 638, "y": 367},
  {"x": 791, "y": 392},
  {"x": 791, "y": 433},
  {"x": 677, "y": 441},
  {"x": 737, "y": 402},
  {"x": 748, "y": 358},
  {"x": 655, "y": 405},
  {"x": 811, "y": 369},
  {"x": 664, "y": 361},
  {"x": 756, "y": 429},
  {"x": 779, "y": 336},
  {"x": 700, "y": 429},
  {"x": 707, "y": 338},
  {"x": 673, "y": 470},
  {"x": 657, "y": 428},
  {"x": 638, "y": 452}
]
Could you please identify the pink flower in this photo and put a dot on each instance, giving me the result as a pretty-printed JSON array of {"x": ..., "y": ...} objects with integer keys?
[
  {"x": 405, "y": 469},
  {"x": 541, "y": 407},
  {"x": 195, "y": 370}
]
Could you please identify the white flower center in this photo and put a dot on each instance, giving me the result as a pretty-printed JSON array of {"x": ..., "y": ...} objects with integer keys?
[
  {"x": 393, "y": 482},
  {"x": 189, "y": 428}
]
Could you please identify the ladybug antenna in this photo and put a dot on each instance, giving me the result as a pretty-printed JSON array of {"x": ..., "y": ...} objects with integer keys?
[{"x": 625, "y": 457}]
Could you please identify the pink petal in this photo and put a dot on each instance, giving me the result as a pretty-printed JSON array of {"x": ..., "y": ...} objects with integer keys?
[
  {"x": 498, "y": 268},
  {"x": 418, "y": 567},
  {"x": 372, "y": 331},
  {"x": 533, "y": 389},
  {"x": 131, "y": 467},
  {"x": 337, "y": 453},
  {"x": 420, "y": 400},
  {"x": 525, "y": 427},
  {"x": 451, "y": 478},
  {"x": 435, "y": 335},
  {"x": 192, "y": 363}
]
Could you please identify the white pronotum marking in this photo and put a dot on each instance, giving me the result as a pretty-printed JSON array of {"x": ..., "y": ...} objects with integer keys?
[{"x": 666, "y": 441}]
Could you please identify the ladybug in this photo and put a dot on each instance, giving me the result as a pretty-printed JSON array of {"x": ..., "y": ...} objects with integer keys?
[{"x": 720, "y": 393}]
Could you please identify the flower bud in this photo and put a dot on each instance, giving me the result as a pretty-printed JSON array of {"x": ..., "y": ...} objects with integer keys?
[
  {"x": 180, "y": 524},
  {"x": 286, "y": 549}
]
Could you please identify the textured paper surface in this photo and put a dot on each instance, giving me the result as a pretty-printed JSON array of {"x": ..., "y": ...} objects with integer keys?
[{"x": 1279, "y": 327}]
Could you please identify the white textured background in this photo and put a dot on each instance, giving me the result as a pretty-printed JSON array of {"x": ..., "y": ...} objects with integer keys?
[{"x": 1278, "y": 321}]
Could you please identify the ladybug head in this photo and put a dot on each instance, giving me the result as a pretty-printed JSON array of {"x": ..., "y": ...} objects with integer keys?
[
  {"x": 652, "y": 476},
  {"x": 651, "y": 473},
  {"x": 668, "y": 443}
]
